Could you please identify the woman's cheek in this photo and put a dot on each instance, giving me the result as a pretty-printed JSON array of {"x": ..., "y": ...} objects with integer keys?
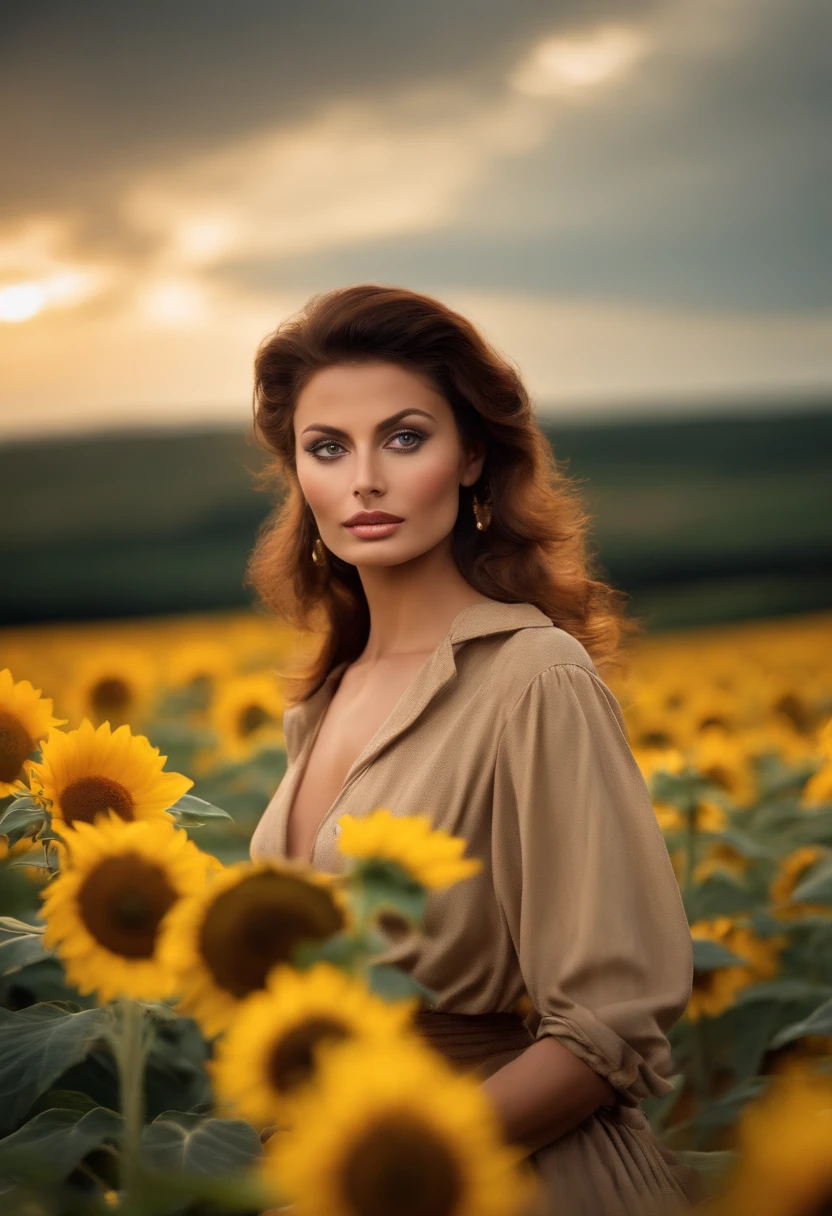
[{"x": 429, "y": 485}]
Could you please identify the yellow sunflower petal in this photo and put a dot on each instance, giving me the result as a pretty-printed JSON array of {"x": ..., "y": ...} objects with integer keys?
[
  {"x": 269, "y": 1050},
  {"x": 88, "y": 771},
  {"x": 431, "y": 856},
  {"x": 223, "y": 943},
  {"x": 389, "y": 1123},
  {"x": 105, "y": 909},
  {"x": 25, "y": 719}
]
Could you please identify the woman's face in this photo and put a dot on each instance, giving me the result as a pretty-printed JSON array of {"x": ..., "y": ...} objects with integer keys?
[{"x": 376, "y": 437}]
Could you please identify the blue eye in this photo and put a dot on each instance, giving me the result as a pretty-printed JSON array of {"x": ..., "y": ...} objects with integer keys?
[{"x": 317, "y": 449}]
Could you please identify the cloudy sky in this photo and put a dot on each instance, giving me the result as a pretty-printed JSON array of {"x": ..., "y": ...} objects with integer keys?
[{"x": 630, "y": 197}]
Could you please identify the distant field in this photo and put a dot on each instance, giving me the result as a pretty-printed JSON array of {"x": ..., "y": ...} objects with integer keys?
[{"x": 699, "y": 520}]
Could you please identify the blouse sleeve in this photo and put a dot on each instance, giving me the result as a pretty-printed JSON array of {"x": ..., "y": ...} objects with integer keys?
[{"x": 585, "y": 881}]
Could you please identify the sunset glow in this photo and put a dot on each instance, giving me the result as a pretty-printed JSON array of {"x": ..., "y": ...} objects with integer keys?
[{"x": 22, "y": 301}]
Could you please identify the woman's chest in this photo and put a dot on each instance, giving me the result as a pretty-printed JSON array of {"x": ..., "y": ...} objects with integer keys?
[
  {"x": 433, "y": 756},
  {"x": 354, "y": 716}
]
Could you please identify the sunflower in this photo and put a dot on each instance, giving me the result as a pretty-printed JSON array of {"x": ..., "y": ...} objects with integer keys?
[
  {"x": 652, "y": 760},
  {"x": 720, "y": 858},
  {"x": 25, "y": 719},
  {"x": 86, "y": 771},
  {"x": 818, "y": 789},
  {"x": 105, "y": 909},
  {"x": 198, "y": 663},
  {"x": 790, "y": 871},
  {"x": 715, "y": 990},
  {"x": 793, "y": 700},
  {"x": 18, "y": 851},
  {"x": 390, "y": 1127},
  {"x": 670, "y": 818},
  {"x": 710, "y": 705},
  {"x": 223, "y": 942},
  {"x": 725, "y": 761},
  {"x": 657, "y": 718},
  {"x": 114, "y": 685},
  {"x": 247, "y": 714},
  {"x": 708, "y": 816},
  {"x": 428, "y": 855},
  {"x": 784, "y": 1164},
  {"x": 777, "y": 737},
  {"x": 270, "y": 1049}
]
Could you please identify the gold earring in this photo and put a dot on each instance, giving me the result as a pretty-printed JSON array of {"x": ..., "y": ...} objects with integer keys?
[
  {"x": 484, "y": 520},
  {"x": 318, "y": 553}
]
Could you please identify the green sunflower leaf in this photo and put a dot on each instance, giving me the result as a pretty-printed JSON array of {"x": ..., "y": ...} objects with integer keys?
[
  {"x": 816, "y": 887},
  {"x": 20, "y": 944},
  {"x": 37, "y": 1045},
  {"x": 190, "y": 810},
  {"x": 709, "y": 955},
  {"x": 341, "y": 950},
  {"x": 20, "y": 818},
  {"x": 167, "y": 1194},
  {"x": 819, "y": 1022},
  {"x": 740, "y": 841},
  {"x": 377, "y": 884},
  {"x": 180, "y": 1141},
  {"x": 55, "y": 1141},
  {"x": 393, "y": 984}
]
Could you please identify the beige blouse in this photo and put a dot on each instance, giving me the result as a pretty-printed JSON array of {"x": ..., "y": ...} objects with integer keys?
[{"x": 508, "y": 736}]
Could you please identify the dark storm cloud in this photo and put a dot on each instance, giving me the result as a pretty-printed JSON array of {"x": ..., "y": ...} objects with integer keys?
[
  {"x": 704, "y": 179},
  {"x": 705, "y": 182},
  {"x": 97, "y": 89}
]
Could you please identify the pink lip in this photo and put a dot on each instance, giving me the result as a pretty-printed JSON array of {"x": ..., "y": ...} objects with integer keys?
[
  {"x": 372, "y": 517},
  {"x": 374, "y": 531}
]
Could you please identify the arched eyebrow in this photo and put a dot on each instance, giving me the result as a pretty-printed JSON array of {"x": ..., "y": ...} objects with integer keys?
[{"x": 382, "y": 426}]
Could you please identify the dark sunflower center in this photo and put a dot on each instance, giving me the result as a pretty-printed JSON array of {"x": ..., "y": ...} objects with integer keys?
[
  {"x": 714, "y": 720},
  {"x": 122, "y": 902},
  {"x": 795, "y": 710},
  {"x": 401, "y": 1165},
  {"x": 258, "y": 923},
  {"x": 110, "y": 695},
  {"x": 820, "y": 1205},
  {"x": 292, "y": 1062},
  {"x": 721, "y": 777},
  {"x": 655, "y": 738},
  {"x": 90, "y": 796},
  {"x": 15, "y": 745},
  {"x": 252, "y": 718}
]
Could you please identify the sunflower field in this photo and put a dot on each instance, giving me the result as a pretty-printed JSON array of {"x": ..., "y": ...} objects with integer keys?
[{"x": 186, "y": 1031}]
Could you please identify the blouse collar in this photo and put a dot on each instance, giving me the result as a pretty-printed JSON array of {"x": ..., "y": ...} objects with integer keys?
[{"x": 475, "y": 621}]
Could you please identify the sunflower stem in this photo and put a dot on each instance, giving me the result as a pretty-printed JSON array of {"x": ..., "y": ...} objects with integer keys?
[{"x": 130, "y": 1053}]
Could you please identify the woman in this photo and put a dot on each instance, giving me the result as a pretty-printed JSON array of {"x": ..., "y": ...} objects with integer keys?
[{"x": 429, "y": 533}]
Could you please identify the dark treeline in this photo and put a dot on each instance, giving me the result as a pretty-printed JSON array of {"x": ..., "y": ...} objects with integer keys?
[{"x": 699, "y": 519}]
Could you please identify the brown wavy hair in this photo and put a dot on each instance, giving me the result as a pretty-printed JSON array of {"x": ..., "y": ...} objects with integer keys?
[{"x": 536, "y": 548}]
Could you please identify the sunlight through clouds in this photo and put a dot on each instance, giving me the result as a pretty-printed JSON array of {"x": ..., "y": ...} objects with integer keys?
[
  {"x": 567, "y": 65},
  {"x": 355, "y": 172},
  {"x": 37, "y": 273},
  {"x": 609, "y": 193}
]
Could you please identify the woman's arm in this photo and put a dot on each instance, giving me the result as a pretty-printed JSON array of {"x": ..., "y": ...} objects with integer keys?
[
  {"x": 583, "y": 876},
  {"x": 545, "y": 1092}
]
